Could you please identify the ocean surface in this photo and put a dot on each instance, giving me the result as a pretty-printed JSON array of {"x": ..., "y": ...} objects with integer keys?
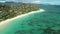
[{"x": 47, "y": 22}]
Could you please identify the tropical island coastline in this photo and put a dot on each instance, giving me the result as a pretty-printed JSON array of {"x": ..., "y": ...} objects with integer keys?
[
  {"x": 4, "y": 23},
  {"x": 9, "y": 13}
]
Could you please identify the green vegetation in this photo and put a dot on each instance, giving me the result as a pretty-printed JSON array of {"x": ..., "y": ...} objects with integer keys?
[{"x": 9, "y": 11}]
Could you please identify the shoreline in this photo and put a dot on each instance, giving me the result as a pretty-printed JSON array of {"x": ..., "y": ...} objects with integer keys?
[{"x": 4, "y": 23}]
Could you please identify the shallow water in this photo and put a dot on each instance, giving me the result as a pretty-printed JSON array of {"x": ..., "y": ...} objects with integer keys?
[{"x": 37, "y": 23}]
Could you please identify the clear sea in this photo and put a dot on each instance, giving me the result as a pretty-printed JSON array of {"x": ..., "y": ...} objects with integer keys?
[{"x": 47, "y": 22}]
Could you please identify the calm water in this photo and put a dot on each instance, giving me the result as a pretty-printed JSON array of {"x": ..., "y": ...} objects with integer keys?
[{"x": 47, "y": 22}]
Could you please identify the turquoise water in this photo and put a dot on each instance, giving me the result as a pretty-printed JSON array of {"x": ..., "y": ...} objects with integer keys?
[{"x": 47, "y": 22}]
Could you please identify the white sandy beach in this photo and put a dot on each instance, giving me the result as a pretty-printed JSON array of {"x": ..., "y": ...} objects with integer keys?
[{"x": 4, "y": 23}]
